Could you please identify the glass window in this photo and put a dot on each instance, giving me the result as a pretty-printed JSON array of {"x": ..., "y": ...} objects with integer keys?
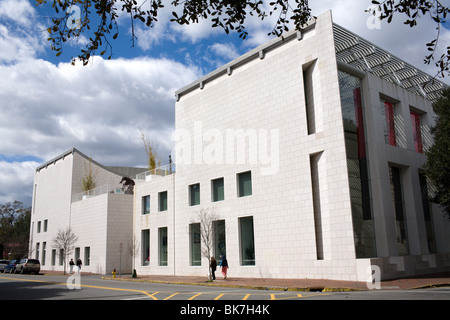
[
  {"x": 357, "y": 164},
  {"x": 38, "y": 227},
  {"x": 61, "y": 257},
  {"x": 247, "y": 241},
  {"x": 194, "y": 194},
  {"x": 219, "y": 239},
  {"x": 415, "y": 121},
  {"x": 162, "y": 199},
  {"x": 217, "y": 190},
  {"x": 44, "y": 249},
  {"x": 53, "y": 262},
  {"x": 389, "y": 125},
  {"x": 145, "y": 240},
  {"x": 45, "y": 225},
  {"x": 245, "y": 184},
  {"x": 87, "y": 256},
  {"x": 146, "y": 205},
  {"x": 399, "y": 211},
  {"x": 195, "y": 244},
  {"x": 162, "y": 246}
]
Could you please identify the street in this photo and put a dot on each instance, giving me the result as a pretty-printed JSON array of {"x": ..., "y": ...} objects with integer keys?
[{"x": 92, "y": 287}]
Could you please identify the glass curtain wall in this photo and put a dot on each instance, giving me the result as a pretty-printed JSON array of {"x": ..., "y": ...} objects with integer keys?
[{"x": 357, "y": 164}]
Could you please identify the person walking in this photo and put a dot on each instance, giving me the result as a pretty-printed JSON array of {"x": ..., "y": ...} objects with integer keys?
[
  {"x": 71, "y": 264},
  {"x": 79, "y": 263},
  {"x": 213, "y": 266},
  {"x": 224, "y": 265}
]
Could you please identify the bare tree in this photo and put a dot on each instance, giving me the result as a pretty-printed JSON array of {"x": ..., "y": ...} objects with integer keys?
[
  {"x": 206, "y": 218},
  {"x": 65, "y": 240},
  {"x": 133, "y": 250}
]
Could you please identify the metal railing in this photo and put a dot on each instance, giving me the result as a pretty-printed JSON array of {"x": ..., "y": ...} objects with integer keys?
[
  {"x": 116, "y": 189},
  {"x": 156, "y": 173}
]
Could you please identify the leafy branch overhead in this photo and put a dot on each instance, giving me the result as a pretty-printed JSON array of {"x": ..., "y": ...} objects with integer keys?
[
  {"x": 96, "y": 20},
  {"x": 413, "y": 10}
]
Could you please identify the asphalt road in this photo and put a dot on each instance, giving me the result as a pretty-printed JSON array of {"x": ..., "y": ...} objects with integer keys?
[{"x": 42, "y": 287}]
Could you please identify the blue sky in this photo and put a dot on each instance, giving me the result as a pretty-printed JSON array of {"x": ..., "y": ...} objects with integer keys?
[{"x": 49, "y": 106}]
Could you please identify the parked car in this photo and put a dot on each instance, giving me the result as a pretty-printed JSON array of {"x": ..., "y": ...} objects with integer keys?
[
  {"x": 28, "y": 266},
  {"x": 10, "y": 267},
  {"x": 3, "y": 264}
]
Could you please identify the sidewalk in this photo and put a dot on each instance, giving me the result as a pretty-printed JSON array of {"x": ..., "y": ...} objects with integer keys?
[{"x": 424, "y": 281}]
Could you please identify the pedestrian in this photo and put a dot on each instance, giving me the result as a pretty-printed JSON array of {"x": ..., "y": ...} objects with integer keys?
[
  {"x": 71, "y": 264},
  {"x": 213, "y": 266},
  {"x": 79, "y": 263},
  {"x": 224, "y": 265}
]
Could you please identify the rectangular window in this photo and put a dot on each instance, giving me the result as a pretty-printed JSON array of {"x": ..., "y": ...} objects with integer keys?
[
  {"x": 44, "y": 248},
  {"x": 195, "y": 244},
  {"x": 61, "y": 257},
  {"x": 162, "y": 201},
  {"x": 37, "y": 250},
  {"x": 145, "y": 240},
  {"x": 194, "y": 194},
  {"x": 417, "y": 135},
  {"x": 427, "y": 213},
  {"x": 77, "y": 253},
  {"x": 39, "y": 227},
  {"x": 247, "y": 241},
  {"x": 217, "y": 187},
  {"x": 244, "y": 184},
  {"x": 53, "y": 257},
  {"x": 389, "y": 123},
  {"x": 162, "y": 246},
  {"x": 399, "y": 213},
  {"x": 87, "y": 256},
  {"x": 146, "y": 205},
  {"x": 352, "y": 104},
  {"x": 219, "y": 239},
  {"x": 45, "y": 225}
]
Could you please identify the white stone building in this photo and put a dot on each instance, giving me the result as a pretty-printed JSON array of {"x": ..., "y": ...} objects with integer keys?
[
  {"x": 306, "y": 150},
  {"x": 310, "y": 152},
  {"x": 102, "y": 218}
]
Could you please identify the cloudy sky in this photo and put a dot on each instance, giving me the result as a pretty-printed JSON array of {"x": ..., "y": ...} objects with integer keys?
[{"x": 49, "y": 106}]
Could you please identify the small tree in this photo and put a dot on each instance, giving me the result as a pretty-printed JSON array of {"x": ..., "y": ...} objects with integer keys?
[
  {"x": 88, "y": 181},
  {"x": 65, "y": 240},
  {"x": 153, "y": 160},
  {"x": 206, "y": 217},
  {"x": 438, "y": 156}
]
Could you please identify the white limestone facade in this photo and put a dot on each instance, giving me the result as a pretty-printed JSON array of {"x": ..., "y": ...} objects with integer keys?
[
  {"x": 309, "y": 153},
  {"x": 302, "y": 123},
  {"x": 102, "y": 219}
]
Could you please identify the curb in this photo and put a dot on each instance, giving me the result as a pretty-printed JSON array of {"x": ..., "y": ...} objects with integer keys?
[{"x": 212, "y": 284}]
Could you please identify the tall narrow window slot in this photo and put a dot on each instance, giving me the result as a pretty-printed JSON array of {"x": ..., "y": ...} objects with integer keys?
[
  {"x": 308, "y": 86},
  {"x": 397, "y": 203},
  {"x": 314, "y": 163}
]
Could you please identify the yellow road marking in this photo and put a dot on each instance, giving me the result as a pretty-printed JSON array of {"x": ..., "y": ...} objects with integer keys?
[
  {"x": 171, "y": 296},
  {"x": 83, "y": 285},
  {"x": 195, "y": 296},
  {"x": 246, "y": 296},
  {"x": 219, "y": 296}
]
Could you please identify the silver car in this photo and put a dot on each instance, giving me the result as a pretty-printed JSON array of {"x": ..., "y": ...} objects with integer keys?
[{"x": 28, "y": 266}]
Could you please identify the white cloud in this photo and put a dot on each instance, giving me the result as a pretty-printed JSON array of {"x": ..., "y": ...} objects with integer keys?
[
  {"x": 17, "y": 181},
  {"x": 19, "y": 11}
]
